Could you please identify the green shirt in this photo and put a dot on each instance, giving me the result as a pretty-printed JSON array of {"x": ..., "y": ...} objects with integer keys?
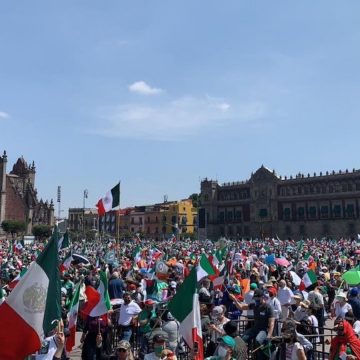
[{"x": 146, "y": 315}]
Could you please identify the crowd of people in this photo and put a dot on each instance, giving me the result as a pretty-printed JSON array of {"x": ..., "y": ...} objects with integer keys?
[{"x": 272, "y": 296}]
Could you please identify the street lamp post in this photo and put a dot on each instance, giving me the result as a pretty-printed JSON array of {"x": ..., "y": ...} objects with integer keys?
[{"x": 85, "y": 196}]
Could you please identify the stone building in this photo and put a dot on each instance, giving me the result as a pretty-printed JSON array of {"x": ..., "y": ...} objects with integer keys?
[
  {"x": 267, "y": 205},
  {"x": 18, "y": 196},
  {"x": 83, "y": 219},
  {"x": 155, "y": 221}
]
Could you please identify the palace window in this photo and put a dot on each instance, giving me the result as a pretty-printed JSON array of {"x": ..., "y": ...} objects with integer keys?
[
  {"x": 287, "y": 213},
  {"x": 263, "y": 213},
  {"x": 229, "y": 215},
  {"x": 221, "y": 217},
  {"x": 350, "y": 210},
  {"x": 237, "y": 215},
  {"x": 337, "y": 211},
  {"x": 312, "y": 212},
  {"x": 301, "y": 213},
  {"x": 324, "y": 211}
]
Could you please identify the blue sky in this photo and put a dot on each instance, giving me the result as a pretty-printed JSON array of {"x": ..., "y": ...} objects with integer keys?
[{"x": 159, "y": 94}]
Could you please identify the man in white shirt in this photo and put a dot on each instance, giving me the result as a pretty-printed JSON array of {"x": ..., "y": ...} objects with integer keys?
[
  {"x": 285, "y": 296},
  {"x": 128, "y": 311},
  {"x": 248, "y": 299},
  {"x": 274, "y": 302}
]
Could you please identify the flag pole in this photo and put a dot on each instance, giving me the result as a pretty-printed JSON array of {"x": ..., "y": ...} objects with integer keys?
[{"x": 118, "y": 224}]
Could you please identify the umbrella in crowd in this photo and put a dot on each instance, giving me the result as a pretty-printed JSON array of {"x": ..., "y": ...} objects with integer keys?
[
  {"x": 80, "y": 259},
  {"x": 352, "y": 277},
  {"x": 282, "y": 262}
]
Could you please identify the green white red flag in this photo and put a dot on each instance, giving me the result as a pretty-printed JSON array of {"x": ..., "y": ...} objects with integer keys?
[
  {"x": 308, "y": 279},
  {"x": 185, "y": 308},
  {"x": 28, "y": 313},
  {"x": 98, "y": 300},
  {"x": 72, "y": 319},
  {"x": 109, "y": 201},
  {"x": 204, "y": 268}
]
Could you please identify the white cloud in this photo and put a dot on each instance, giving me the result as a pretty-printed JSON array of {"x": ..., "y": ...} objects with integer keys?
[
  {"x": 4, "y": 115},
  {"x": 141, "y": 87},
  {"x": 173, "y": 120}
]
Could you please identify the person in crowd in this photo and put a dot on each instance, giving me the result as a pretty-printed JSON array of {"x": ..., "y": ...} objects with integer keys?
[
  {"x": 317, "y": 305},
  {"x": 205, "y": 295},
  {"x": 345, "y": 345},
  {"x": 274, "y": 302},
  {"x": 116, "y": 287},
  {"x": 285, "y": 296},
  {"x": 94, "y": 338},
  {"x": 293, "y": 348},
  {"x": 128, "y": 316},
  {"x": 354, "y": 302},
  {"x": 159, "y": 345},
  {"x": 123, "y": 351},
  {"x": 264, "y": 318},
  {"x": 248, "y": 298},
  {"x": 225, "y": 349},
  {"x": 341, "y": 307},
  {"x": 171, "y": 326},
  {"x": 216, "y": 327},
  {"x": 240, "y": 350},
  {"x": 147, "y": 313}
]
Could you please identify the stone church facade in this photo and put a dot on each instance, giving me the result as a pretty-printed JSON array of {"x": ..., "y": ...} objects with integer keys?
[
  {"x": 267, "y": 205},
  {"x": 18, "y": 196}
]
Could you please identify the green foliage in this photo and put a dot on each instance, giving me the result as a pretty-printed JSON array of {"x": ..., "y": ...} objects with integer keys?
[
  {"x": 42, "y": 231},
  {"x": 195, "y": 199},
  {"x": 13, "y": 227}
]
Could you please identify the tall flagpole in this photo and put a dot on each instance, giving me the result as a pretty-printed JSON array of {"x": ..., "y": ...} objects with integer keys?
[{"x": 118, "y": 224}]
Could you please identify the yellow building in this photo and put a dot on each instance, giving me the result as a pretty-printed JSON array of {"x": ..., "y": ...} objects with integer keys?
[{"x": 179, "y": 217}]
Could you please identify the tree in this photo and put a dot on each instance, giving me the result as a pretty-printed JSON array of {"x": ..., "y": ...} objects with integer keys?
[
  {"x": 195, "y": 199},
  {"x": 13, "y": 227},
  {"x": 41, "y": 231}
]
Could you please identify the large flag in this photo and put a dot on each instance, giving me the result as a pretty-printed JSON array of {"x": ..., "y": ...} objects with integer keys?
[
  {"x": 204, "y": 268},
  {"x": 72, "y": 318},
  {"x": 64, "y": 241},
  {"x": 109, "y": 201},
  {"x": 28, "y": 313},
  {"x": 98, "y": 300},
  {"x": 308, "y": 279},
  {"x": 186, "y": 309}
]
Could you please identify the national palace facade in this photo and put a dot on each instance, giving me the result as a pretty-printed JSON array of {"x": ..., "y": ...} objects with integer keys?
[{"x": 266, "y": 205}]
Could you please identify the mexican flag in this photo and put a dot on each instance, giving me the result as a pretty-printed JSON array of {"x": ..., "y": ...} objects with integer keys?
[
  {"x": 64, "y": 242},
  {"x": 204, "y": 268},
  {"x": 137, "y": 254},
  {"x": 308, "y": 279},
  {"x": 98, "y": 300},
  {"x": 109, "y": 201},
  {"x": 67, "y": 262},
  {"x": 28, "y": 312},
  {"x": 186, "y": 309},
  {"x": 72, "y": 318}
]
